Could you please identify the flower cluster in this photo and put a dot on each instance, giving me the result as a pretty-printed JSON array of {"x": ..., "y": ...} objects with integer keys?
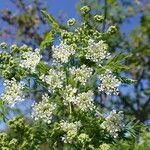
[
  {"x": 69, "y": 95},
  {"x": 43, "y": 110},
  {"x": 97, "y": 52},
  {"x": 6, "y": 143},
  {"x": 83, "y": 138},
  {"x": 13, "y": 92},
  {"x": 70, "y": 129},
  {"x": 105, "y": 146},
  {"x": 30, "y": 59},
  {"x": 109, "y": 83},
  {"x": 113, "y": 123},
  {"x": 62, "y": 52},
  {"x": 81, "y": 74},
  {"x": 54, "y": 79},
  {"x": 84, "y": 101}
]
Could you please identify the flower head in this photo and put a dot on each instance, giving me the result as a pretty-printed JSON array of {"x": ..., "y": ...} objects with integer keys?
[
  {"x": 113, "y": 123},
  {"x": 81, "y": 74},
  {"x": 84, "y": 138},
  {"x": 69, "y": 94},
  {"x": 30, "y": 60},
  {"x": 109, "y": 83},
  {"x": 71, "y": 129},
  {"x": 97, "y": 52},
  {"x": 54, "y": 79},
  {"x": 84, "y": 101},
  {"x": 13, "y": 92},
  {"x": 43, "y": 110},
  {"x": 62, "y": 52}
]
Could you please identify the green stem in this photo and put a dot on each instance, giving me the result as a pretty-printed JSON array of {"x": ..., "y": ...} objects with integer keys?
[{"x": 70, "y": 108}]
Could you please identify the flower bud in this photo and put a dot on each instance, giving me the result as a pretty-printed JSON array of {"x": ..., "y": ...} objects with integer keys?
[
  {"x": 71, "y": 22},
  {"x": 85, "y": 9},
  {"x": 83, "y": 138},
  {"x": 98, "y": 18},
  {"x": 112, "y": 29},
  {"x": 13, "y": 142},
  {"x": 65, "y": 35},
  {"x": 3, "y": 45},
  {"x": 14, "y": 47}
]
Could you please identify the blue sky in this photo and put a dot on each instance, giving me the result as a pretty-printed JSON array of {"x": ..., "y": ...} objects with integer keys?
[
  {"x": 68, "y": 6},
  {"x": 69, "y": 9}
]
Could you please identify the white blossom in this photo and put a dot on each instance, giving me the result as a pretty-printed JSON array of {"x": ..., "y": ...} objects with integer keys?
[
  {"x": 71, "y": 130},
  {"x": 43, "y": 110},
  {"x": 114, "y": 123},
  {"x": 54, "y": 79},
  {"x": 109, "y": 83},
  {"x": 83, "y": 138},
  {"x": 69, "y": 95},
  {"x": 62, "y": 52},
  {"x": 105, "y": 146},
  {"x": 13, "y": 92},
  {"x": 30, "y": 60},
  {"x": 81, "y": 74},
  {"x": 84, "y": 101},
  {"x": 97, "y": 52}
]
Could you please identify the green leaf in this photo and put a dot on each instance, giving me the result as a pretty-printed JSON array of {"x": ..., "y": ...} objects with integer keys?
[
  {"x": 49, "y": 17},
  {"x": 54, "y": 23},
  {"x": 126, "y": 80},
  {"x": 48, "y": 39},
  {"x": 116, "y": 63},
  {"x": 42, "y": 67}
]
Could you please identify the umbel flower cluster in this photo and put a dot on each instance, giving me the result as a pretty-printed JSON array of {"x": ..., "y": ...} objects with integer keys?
[
  {"x": 113, "y": 123},
  {"x": 77, "y": 71},
  {"x": 97, "y": 52},
  {"x": 70, "y": 129},
  {"x": 81, "y": 74},
  {"x": 43, "y": 110},
  {"x": 30, "y": 59},
  {"x": 13, "y": 92},
  {"x": 109, "y": 83}
]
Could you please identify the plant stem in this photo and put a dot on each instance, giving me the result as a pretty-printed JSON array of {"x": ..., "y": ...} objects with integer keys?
[{"x": 70, "y": 109}]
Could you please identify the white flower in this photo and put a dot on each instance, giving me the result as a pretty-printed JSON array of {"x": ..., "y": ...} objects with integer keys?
[
  {"x": 30, "y": 59},
  {"x": 71, "y": 129},
  {"x": 69, "y": 95},
  {"x": 83, "y": 138},
  {"x": 54, "y": 79},
  {"x": 84, "y": 101},
  {"x": 81, "y": 74},
  {"x": 43, "y": 110},
  {"x": 13, "y": 92},
  {"x": 97, "y": 52},
  {"x": 62, "y": 52},
  {"x": 113, "y": 123},
  {"x": 105, "y": 146},
  {"x": 109, "y": 83}
]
